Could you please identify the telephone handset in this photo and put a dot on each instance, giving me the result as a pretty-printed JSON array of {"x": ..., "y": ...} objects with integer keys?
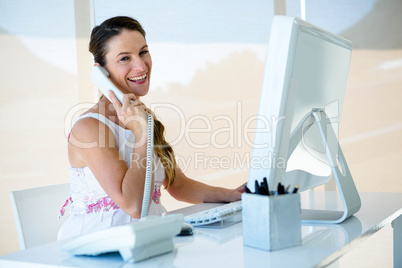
[{"x": 101, "y": 78}]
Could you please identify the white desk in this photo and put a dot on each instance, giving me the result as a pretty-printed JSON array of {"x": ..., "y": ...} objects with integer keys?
[{"x": 321, "y": 245}]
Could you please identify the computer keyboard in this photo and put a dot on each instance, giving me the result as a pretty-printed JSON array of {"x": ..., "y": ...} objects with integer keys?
[{"x": 220, "y": 216}]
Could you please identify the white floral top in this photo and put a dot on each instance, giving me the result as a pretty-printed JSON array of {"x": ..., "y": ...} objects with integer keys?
[{"x": 91, "y": 208}]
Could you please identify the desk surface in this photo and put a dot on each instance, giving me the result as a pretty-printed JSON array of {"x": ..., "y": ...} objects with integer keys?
[{"x": 321, "y": 244}]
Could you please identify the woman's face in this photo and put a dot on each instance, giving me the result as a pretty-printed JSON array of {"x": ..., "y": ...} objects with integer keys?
[{"x": 129, "y": 62}]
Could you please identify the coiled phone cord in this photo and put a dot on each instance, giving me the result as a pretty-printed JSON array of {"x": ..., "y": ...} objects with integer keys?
[{"x": 148, "y": 173}]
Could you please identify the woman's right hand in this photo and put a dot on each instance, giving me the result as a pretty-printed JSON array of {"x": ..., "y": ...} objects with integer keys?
[{"x": 131, "y": 112}]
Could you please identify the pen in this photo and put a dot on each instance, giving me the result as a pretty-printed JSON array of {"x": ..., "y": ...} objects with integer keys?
[
  {"x": 263, "y": 190},
  {"x": 281, "y": 188},
  {"x": 247, "y": 189},
  {"x": 287, "y": 189},
  {"x": 265, "y": 183},
  {"x": 296, "y": 189},
  {"x": 256, "y": 187}
]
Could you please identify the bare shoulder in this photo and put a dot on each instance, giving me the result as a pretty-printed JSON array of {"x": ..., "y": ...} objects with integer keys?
[{"x": 89, "y": 133}]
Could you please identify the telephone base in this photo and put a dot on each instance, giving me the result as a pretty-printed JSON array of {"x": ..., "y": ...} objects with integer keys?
[
  {"x": 136, "y": 241},
  {"x": 147, "y": 251}
]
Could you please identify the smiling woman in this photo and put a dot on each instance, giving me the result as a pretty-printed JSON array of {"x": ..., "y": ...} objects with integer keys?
[
  {"x": 130, "y": 62},
  {"x": 107, "y": 180}
]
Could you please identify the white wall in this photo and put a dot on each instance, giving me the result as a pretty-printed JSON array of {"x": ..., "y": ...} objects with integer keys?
[{"x": 38, "y": 85}]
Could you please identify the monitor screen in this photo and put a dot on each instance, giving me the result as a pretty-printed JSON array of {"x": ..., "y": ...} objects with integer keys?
[{"x": 306, "y": 69}]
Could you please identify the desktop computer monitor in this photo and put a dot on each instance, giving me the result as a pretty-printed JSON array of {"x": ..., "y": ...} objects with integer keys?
[{"x": 296, "y": 135}]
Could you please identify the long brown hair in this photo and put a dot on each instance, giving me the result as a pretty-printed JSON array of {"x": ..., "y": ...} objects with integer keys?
[{"x": 100, "y": 35}]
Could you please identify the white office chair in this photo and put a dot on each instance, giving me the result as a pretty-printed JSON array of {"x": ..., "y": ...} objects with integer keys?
[{"x": 37, "y": 211}]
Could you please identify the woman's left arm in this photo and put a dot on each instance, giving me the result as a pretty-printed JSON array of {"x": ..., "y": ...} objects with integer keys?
[{"x": 191, "y": 191}]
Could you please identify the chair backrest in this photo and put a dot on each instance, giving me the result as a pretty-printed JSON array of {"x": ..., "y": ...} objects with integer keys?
[{"x": 37, "y": 211}]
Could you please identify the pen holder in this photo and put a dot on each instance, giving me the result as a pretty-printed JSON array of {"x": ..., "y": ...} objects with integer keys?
[{"x": 271, "y": 222}]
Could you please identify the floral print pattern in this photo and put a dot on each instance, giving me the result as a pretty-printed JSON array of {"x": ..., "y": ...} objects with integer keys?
[
  {"x": 106, "y": 203},
  {"x": 156, "y": 195}
]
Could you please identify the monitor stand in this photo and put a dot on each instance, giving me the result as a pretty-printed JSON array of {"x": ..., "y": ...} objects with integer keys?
[{"x": 340, "y": 171}]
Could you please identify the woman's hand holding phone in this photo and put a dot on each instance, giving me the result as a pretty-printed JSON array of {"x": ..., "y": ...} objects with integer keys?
[{"x": 131, "y": 112}]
